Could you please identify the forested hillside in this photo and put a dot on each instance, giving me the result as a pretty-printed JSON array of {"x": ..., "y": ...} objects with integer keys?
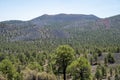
[
  {"x": 62, "y": 45},
  {"x": 49, "y": 31}
]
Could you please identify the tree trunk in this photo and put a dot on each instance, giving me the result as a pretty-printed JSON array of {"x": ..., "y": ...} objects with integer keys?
[{"x": 64, "y": 73}]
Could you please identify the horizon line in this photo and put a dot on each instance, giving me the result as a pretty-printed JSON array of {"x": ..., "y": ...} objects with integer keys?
[{"x": 56, "y": 14}]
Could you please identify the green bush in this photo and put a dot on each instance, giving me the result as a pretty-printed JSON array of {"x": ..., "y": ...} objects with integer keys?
[
  {"x": 110, "y": 58},
  {"x": 80, "y": 69},
  {"x": 6, "y": 67},
  {"x": 46, "y": 76},
  {"x": 35, "y": 66}
]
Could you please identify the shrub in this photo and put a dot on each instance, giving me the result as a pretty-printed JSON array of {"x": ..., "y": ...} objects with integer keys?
[
  {"x": 110, "y": 58},
  {"x": 29, "y": 74},
  {"x": 2, "y": 77},
  {"x": 45, "y": 76}
]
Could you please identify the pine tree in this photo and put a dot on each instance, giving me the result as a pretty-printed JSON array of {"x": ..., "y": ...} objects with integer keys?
[{"x": 65, "y": 55}]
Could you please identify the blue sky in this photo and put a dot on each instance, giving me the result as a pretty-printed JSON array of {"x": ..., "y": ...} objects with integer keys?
[{"x": 28, "y": 9}]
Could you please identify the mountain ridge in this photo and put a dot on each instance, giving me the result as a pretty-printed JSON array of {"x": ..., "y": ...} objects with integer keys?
[
  {"x": 55, "y": 26},
  {"x": 51, "y": 15}
]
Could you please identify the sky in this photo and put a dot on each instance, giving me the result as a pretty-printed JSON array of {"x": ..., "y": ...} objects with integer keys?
[{"x": 29, "y": 9}]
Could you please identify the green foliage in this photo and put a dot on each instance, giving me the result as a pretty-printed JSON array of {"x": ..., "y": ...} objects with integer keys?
[
  {"x": 65, "y": 55},
  {"x": 101, "y": 72},
  {"x": 98, "y": 51},
  {"x": 23, "y": 59},
  {"x": 98, "y": 74},
  {"x": 110, "y": 58},
  {"x": 36, "y": 62},
  {"x": 105, "y": 61},
  {"x": 7, "y": 68},
  {"x": 117, "y": 77},
  {"x": 19, "y": 36},
  {"x": 95, "y": 56},
  {"x": 35, "y": 66},
  {"x": 80, "y": 69},
  {"x": 91, "y": 60},
  {"x": 46, "y": 76},
  {"x": 117, "y": 72},
  {"x": 104, "y": 71},
  {"x": 25, "y": 45},
  {"x": 111, "y": 71}
]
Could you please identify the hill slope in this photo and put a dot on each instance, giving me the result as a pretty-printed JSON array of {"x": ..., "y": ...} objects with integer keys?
[{"x": 73, "y": 29}]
